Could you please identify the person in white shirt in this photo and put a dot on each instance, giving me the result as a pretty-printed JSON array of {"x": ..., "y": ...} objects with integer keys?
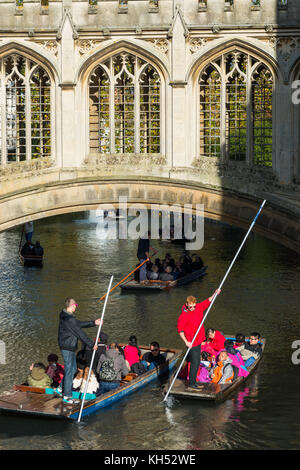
[{"x": 28, "y": 231}]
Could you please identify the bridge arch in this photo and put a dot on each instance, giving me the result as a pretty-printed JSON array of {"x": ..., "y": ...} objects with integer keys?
[{"x": 61, "y": 196}]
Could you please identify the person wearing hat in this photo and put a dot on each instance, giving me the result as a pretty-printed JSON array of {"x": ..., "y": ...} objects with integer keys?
[
  {"x": 38, "y": 377},
  {"x": 69, "y": 332}
]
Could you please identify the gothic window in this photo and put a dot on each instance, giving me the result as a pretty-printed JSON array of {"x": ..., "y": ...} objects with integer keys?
[
  {"x": 40, "y": 113},
  {"x": 236, "y": 109},
  {"x": 99, "y": 111},
  {"x": 25, "y": 110},
  {"x": 210, "y": 112},
  {"x": 282, "y": 4},
  {"x": 124, "y": 106},
  {"x": 262, "y": 116}
]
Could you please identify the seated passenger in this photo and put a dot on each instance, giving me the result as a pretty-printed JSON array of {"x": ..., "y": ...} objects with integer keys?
[
  {"x": 158, "y": 264},
  {"x": 38, "y": 249},
  {"x": 167, "y": 276},
  {"x": 86, "y": 353},
  {"x": 111, "y": 368},
  {"x": 55, "y": 370},
  {"x": 187, "y": 261},
  {"x": 27, "y": 249},
  {"x": 204, "y": 370},
  {"x": 153, "y": 275},
  {"x": 132, "y": 355},
  {"x": 214, "y": 341},
  {"x": 254, "y": 347},
  {"x": 236, "y": 358},
  {"x": 38, "y": 376},
  {"x": 79, "y": 381},
  {"x": 149, "y": 265},
  {"x": 253, "y": 344},
  {"x": 153, "y": 357},
  {"x": 172, "y": 263},
  {"x": 223, "y": 371},
  {"x": 178, "y": 271},
  {"x": 248, "y": 356},
  {"x": 239, "y": 340},
  {"x": 197, "y": 264},
  {"x": 81, "y": 365}
]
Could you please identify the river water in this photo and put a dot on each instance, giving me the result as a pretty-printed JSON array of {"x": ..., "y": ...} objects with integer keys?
[{"x": 261, "y": 294}]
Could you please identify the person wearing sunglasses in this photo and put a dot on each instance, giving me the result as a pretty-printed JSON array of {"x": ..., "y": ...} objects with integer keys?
[
  {"x": 187, "y": 326},
  {"x": 154, "y": 357},
  {"x": 69, "y": 332}
]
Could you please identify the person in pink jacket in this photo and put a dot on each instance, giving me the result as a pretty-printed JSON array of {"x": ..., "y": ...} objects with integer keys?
[{"x": 236, "y": 358}]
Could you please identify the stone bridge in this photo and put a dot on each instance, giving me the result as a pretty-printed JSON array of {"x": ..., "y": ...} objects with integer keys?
[{"x": 44, "y": 192}]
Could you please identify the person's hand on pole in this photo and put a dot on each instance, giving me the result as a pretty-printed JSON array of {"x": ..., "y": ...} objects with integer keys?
[
  {"x": 217, "y": 292},
  {"x": 98, "y": 321}
]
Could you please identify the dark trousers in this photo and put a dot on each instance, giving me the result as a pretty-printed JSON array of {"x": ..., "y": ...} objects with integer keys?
[{"x": 194, "y": 358}]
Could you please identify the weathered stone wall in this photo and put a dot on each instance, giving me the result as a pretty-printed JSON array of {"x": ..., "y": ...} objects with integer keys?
[{"x": 139, "y": 13}]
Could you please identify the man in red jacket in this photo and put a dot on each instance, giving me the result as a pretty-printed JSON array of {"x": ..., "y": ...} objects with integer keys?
[{"x": 187, "y": 325}]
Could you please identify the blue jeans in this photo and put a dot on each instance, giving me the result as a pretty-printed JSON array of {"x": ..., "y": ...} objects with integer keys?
[
  {"x": 143, "y": 270},
  {"x": 70, "y": 370},
  {"x": 108, "y": 386},
  {"x": 28, "y": 236}
]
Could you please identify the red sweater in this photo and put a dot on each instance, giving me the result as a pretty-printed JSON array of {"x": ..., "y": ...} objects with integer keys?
[
  {"x": 189, "y": 322},
  {"x": 131, "y": 354},
  {"x": 217, "y": 343}
]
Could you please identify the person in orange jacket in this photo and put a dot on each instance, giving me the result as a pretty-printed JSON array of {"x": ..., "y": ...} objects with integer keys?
[{"x": 223, "y": 371}]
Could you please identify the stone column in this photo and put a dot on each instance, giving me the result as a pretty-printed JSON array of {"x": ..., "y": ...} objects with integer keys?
[
  {"x": 178, "y": 95},
  {"x": 283, "y": 133},
  {"x": 70, "y": 155}
]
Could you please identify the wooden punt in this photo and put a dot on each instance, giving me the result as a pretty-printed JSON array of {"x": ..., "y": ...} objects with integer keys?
[
  {"x": 210, "y": 391},
  {"x": 35, "y": 402},
  {"x": 31, "y": 260},
  {"x": 163, "y": 285}
]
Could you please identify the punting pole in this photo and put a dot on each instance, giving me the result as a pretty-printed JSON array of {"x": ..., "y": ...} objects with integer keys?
[
  {"x": 214, "y": 297},
  {"x": 96, "y": 342},
  {"x": 126, "y": 277}
]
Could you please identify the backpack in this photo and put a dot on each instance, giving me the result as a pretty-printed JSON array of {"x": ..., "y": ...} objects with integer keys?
[
  {"x": 107, "y": 371},
  {"x": 235, "y": 371}
]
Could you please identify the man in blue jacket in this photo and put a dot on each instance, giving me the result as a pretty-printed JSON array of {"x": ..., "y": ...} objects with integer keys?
[{"x": 69, "y": 333}]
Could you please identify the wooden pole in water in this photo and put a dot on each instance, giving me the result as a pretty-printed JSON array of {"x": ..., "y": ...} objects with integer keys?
[
  {"x": 20, "y": 244},
  {"x": 214, "y": 297},
  {"x": 93, "y": 356},
  {"x": 103, "y": 297}
]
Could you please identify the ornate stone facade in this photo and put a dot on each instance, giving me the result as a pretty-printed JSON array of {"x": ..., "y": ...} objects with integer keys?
[{"x": 178, "y": 39}]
